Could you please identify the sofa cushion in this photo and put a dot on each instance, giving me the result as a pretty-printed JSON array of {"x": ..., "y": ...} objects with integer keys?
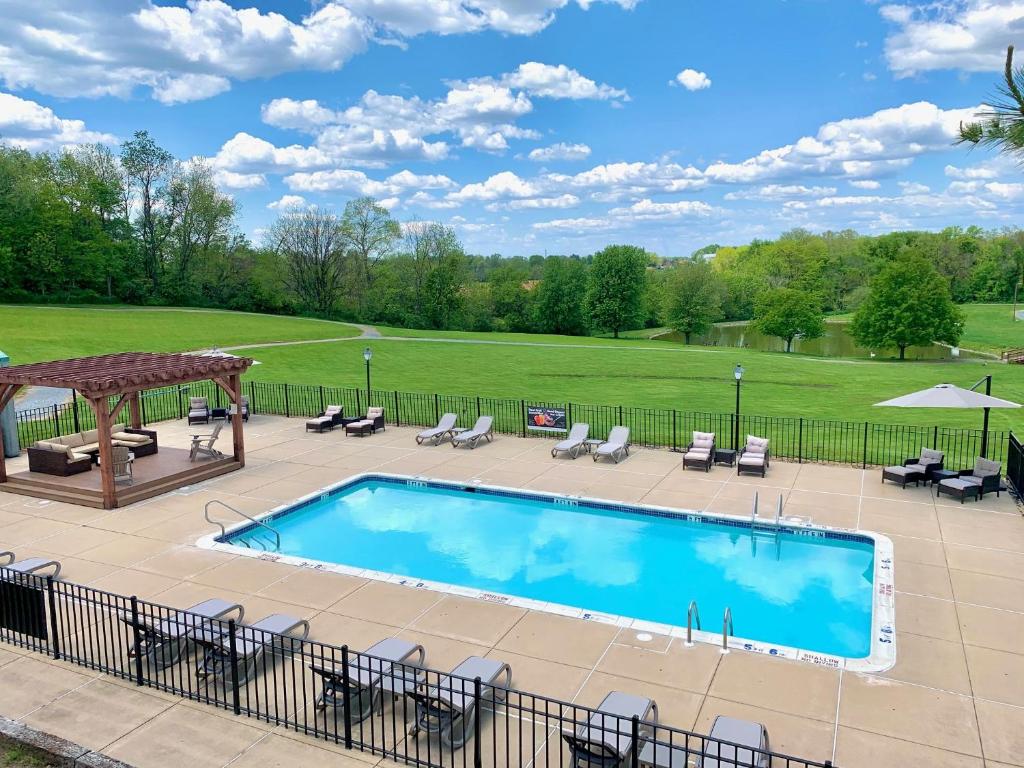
[
  {"x": 703, "y": 444},
  {"x": 131, "y": 437},
  {"x": 373, "y": 413},
  {"x": 930, "y": 456},
  {"x": 696, "y": 455},
  {"x": 756, "y": 444},
  {"x": 81, "y": 457},
  {"x": 117, "y": 428},
  {"x": 87, "y": 448},
  {"x": 752, "y": 459},
  {"x": 703, "y": 436},
  {"x": 985, "y": 467},
  {"x": 89, "y": 436},
  {"x": 48, "y": 445}
]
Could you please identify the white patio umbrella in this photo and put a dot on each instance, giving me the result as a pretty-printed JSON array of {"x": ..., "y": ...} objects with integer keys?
[
  {"x": 952, "y": 396},
  {"x": 218, "y": 352}
]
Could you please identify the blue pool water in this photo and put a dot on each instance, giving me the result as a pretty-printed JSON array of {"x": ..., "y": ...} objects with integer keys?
[{"x": 807, "y": 592}]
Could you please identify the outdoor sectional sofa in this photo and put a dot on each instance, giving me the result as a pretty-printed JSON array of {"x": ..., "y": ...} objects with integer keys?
[{"x": 74, "y": 453}]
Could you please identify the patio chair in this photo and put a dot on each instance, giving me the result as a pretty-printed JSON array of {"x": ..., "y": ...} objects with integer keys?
[
  {"x": 436, "y": 435},
  {"x": 750, "y": 739},
  {"x": 754, "y": 457},
  {"x": 251, "y": 645},
  {"x": 30, "y": 565},
  {"x": 393, "y": 665},
  {"x": 449, "y": 707},
  {"x": 616, "y": 446},
  {"x": 202, "y": 445},
  {"x": 122, "y": 464},
  {"x": 983, "y": 478},
  {"x": 607, "y": 738},
  {"x": 700, "y": 453},
  {"x": 915, "y": 469},
  {"x": 327, "y": 420},
  {"x": 163, "y": 638},
  {"x": 574, "y": 443},
  {"x": 484, "y": 428},
  {"x": 198, "y": 411}
]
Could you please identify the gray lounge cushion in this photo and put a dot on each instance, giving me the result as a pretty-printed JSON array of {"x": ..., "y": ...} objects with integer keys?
[
  {"x": 756, "y": 444},
  {"x": 960, "y": 483},
  {"x": 752, "y": 459},
  {"x": 911, "y": 469},
  {"x": 930, "y": 456},
  {"x": 696, "y": 456},
  {"x": 986, "y": 467}
]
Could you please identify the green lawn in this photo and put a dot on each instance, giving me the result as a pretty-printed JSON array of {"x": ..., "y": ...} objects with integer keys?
[
  {"x": 16, "y": 755},
  {"x": 991, "y": 328},
  {"x": 653, "y": 374},
  {"x": 31, "y": 334}
]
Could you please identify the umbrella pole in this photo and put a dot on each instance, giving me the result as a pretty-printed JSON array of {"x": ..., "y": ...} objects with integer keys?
[{"x": 984, "y": 426}]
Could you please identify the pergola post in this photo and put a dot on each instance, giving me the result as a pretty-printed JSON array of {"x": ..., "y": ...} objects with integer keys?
[
  {"x": 135, "y": 411},
  {"x": 237, "y": 421},
  {"x": 99, "y": 407}
]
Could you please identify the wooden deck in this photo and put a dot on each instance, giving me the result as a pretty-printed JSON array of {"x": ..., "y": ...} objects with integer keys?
[{"x": 164, "y": 471}]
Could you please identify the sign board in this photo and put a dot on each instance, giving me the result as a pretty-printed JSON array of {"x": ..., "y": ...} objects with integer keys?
[
  {"x": 22, "y": 610},
  {"x": 545, "y": 419}
]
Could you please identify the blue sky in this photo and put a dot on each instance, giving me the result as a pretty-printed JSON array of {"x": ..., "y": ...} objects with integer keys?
[{"x": 540, "y": 125}]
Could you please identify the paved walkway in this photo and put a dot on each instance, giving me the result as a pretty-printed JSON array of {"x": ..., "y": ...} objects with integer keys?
[{"x": 953, "y": 700}]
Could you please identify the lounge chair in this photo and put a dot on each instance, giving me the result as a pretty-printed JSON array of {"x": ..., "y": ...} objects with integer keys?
[
  {"x": 700, "y": 453},
  {"x": 616, "y": 446},
  {"x": 374, "y": 418},
  {"x": 607, "y": 738},
  {"x": 435, "y": 435},
  {"x": 251, "y": 643},
  {"x": 574, "y": 443},
  {"x": 392, "y": 665},
  {"x": 976, "y": 482},
  {"x": 202, "y": 445},
  {"x": 753, "y": 459},
  {"x": 164, "y": 638},
  {"x": 748, "y": 747},
  {"x": 327, "y": 420},
  {"x": 198, "y": 411},
  {"x": 915, "y": 469},
  {"x": 448, "y": 708},
  {"x": 30, "y": 565},
  {"x": 484, "y": 428}
]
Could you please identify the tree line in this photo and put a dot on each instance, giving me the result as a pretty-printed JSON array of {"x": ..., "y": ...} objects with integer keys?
[{"x": 134, "y": 225}]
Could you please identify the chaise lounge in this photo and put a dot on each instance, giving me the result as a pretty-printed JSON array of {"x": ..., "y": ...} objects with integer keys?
[
  {"x": 616, "y": 447},
  {"x": 754, "y": 458},
  {"x": 326, "y": 421},
  {"x": 607, "y": 738},
  {"x": 165, "y": 636},
  {"x": 983, "y": 478},
  {"x": 483, "y": 429},
  {"x": 574, "y": 443},
  {"x": 700, "y": 453},
  {"x": 436, "y": 435},
  {"x": 30, "y": 565},
  {"x": 251, "y": 644},
  {"x": 915, "y": 469}
]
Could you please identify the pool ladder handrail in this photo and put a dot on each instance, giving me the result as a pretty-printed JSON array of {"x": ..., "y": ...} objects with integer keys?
[
  {"x": 240, "y": 513},
  {"x": 753, "y": 512},
  {"x": 778, "y": 513},
  {"x": 691, "y": 614},
  {"x": 727, "y": 629}
]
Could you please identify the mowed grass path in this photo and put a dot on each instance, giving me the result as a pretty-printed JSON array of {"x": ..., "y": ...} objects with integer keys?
[
  {"x": 641, "y": 373},
  {"x": 32, "y": 334}
]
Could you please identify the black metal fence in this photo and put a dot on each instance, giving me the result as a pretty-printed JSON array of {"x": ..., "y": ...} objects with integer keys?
[
  {"x": 859, "y": 443},
  {"x": 1015, "y": 465},
  {"x": 402, "y": 710}
]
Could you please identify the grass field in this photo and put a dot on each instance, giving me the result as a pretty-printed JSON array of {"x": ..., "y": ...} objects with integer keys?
[
  {"x": 31, "y": 334},
  {"x": 991, "y": 328}
]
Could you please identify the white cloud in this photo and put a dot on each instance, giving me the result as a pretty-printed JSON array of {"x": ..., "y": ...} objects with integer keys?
[
  {"x": 299, "y": 115},
  {"x": 559, "y": 82},
  {"x": 188, "y": 87},
  {"x": 864, "y": 183},
  {"x": 986, "y": 170},
  {"x": 646, "y": 210},
  {"x": 692, "y": 80},
  {"x": 969, "y": 35},
  {"x": 913, "y": 188},
  {"x": 357, "y": 182},
  {"x": 580, "y": 225},
  {"x": 232, "y": 180},
  {"x": 780, "y": 192},
  {"x": 561, "y": 201},
  {"x": 26, "y": 124},
  {"x": 288, "y": 203},
  {"x": 560, "y": 151},
  {"x": 502, "y": 185}
]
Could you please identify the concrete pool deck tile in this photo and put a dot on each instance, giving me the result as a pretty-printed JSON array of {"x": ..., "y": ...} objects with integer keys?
[
  {"x": 996, "y": 675},
  {"x": 245, "y": 574},
  {"x": 128, "y": 581},
  {"x": 856, "y": 747},
  {"x": 818, "y": 514},
  {"x": 785, "y": 686},
  {"x": 990, "y": 591},
  {"x": 911, "y": 712},
  {"x": 676, "y": 707},
  {"x": 678, "y": 499},
  {"x": 992, "y": 628},
  {"x": 558, "y": 681},
  {"x": 182, "y": 529},
  {"x": 97, "y": 714},
  {"x": 633, "y": 638},
  {"x": 907, "y": 549},
  {"x": 74, "y": 540},
  {"x": 126, "y": 550},
  {"x": 380, "y": 601},
  {"x": 846, "y": 502},
  {"x": 559, "y": 638},
  {"x": 313, "y": 588},
  {"x": 606, "y": 490},
  {"x": 1002, "y": 732},
  {"x": 789, "y": 734},
  {"x": 472, "y": 621},
  {"x": 690, "y": 669},
  {"x": 979, "y": 536},
  {"x": 931, "y": 662},
  {"x": 926, "y": 616},
  {"x": 72, "y": 568},
  {"x": 915, "y": 523},
  {"x": 445, "y": 653},
  {"x": 31, "y": 530},
  {"x": 29, "y": 683},
  {"x": 993, "y": 562},
  {"x": 926, "y": 580},
  {"x": 276, "y": 751},
  {"x": 183, "y": 735},
  {"x": 184, "y": 562},
  {"x": 338, "y": 630}
]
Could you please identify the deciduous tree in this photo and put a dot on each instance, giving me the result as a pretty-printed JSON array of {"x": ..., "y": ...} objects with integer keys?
[
  {"x": 788, "y": 313},
  {"x": 615, "y": 288},
  {"x": 693, "y": 297}
]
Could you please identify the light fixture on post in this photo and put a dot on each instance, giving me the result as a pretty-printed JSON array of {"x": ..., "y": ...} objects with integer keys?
[
  {"x": 367, "y": 354},
  {"x": 737, "y": 372}
]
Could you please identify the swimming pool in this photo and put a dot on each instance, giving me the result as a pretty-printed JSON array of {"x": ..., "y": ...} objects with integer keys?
[{"x": 793, "y": 590}]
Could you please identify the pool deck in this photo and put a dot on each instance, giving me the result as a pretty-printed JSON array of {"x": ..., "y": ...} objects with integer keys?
[{"x": 954, "y": 698}]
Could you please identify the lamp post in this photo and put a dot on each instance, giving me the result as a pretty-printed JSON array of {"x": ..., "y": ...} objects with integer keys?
[
  {"x": 737, "y": 372},
  {"x": 367, "y": 354}
]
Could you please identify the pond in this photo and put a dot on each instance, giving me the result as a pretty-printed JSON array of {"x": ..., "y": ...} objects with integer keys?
[{"x": 836, "y": 342}]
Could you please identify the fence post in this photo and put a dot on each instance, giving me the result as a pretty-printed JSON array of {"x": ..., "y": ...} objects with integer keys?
[
  {"x": 477, "y": 751},
  {"x": 800, "y": 443},
  {"x": 675, "y": 442},
  {"x": 51, "y": 599},
  {"x": 322, "y": 406},
  {"x": 180, "y": 414},
  {"x": 252, "y": 397},
  {"x": 437, "y": 407},
  {"x": 142, "y": 407},
  {"x": 634, "y": 748},
  {"x": 478, "y": 406},
  {"x": 345, "y": 687},
  {"x": 359, "y": 402},
  {"x": 136, "y": 640},
  {"x": 620, "y": 416},
  {"x": 236, "y": 703},
  {"x": 865, "y": 464},
  {"x": 287, "y": 407},
  {"x": 522, "y": 416},
  {"x": 935, "y": 439},
  {"x": 56, "y": 420},
  {"x": 74, "y": 410},
  {"x": 398, "y": 419}
]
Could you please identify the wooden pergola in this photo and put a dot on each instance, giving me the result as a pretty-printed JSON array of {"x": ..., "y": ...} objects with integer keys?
[{"x": 125, "y": 375}]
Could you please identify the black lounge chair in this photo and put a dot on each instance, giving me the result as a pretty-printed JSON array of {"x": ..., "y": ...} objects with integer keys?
[
  {"x": 162, "y": 640},
  {"x": 606, "y": 740},
  {"x": 251, "y": 643}
]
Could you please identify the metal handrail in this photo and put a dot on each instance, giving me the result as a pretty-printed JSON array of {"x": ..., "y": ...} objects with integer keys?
[
  {"x": 727, "y": 629},
  {"x": 219, "y": 524},
  {"x": 753, "y": 512},
  {"x": 778, "y": 512},
  {"x": 691, "y": 614}
]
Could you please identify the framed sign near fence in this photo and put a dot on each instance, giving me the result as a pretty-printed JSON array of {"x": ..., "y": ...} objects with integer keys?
[{"x": 542, "y": 418}]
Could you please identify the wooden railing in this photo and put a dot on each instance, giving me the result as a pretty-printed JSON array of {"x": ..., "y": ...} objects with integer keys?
[{"x": 1013, "y": 355}]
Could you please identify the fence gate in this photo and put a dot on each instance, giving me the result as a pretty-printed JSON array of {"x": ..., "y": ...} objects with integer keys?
[{"x": 1015, "y": 465}]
